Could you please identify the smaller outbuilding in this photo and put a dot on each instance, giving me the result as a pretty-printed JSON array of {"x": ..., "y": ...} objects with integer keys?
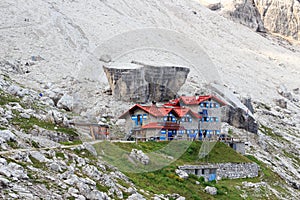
[{"x": 208, "y": 172}]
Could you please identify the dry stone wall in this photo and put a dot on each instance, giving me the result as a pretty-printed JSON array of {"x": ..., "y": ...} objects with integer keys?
[{"x": 226, "y": 170}]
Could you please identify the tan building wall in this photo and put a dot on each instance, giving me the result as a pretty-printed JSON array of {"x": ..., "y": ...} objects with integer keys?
[{"x": 213, "y": 112}]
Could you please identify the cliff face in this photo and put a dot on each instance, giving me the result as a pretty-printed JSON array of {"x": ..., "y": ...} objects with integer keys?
[
  {"x": 144, "y": 83},
  {"x": 275, "y": 16},
  {"x": 244, "y": 12},
  {"x": 282, "y": 17}
]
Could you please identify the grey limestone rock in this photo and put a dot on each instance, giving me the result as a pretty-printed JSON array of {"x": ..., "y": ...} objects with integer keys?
[
  {"x": 140, "y": 156},
  {"x": 244, "y": 12},
  {"x": 281, "y": 17},
  {"x": 210, "y": 190},
  {"x": 181, "y": 173},
  {"x": 143, "y": 83}
]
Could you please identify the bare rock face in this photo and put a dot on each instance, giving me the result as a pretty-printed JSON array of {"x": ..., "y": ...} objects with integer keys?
[
  {"x": 238, "y": 118},
  {"x": 244, "y": 12},
  {"x": 281, "y": 17},
  {"x": 143, "y": 83}
]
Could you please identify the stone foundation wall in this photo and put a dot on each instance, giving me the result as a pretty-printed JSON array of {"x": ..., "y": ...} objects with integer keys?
[{"x": 226, "y": 170}]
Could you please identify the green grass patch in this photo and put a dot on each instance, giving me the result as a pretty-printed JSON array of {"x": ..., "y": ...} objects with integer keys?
[
  {"x": 164, "y": 180},
  {"x": 36, "y": 163},
  {"x": 35, "y": 144},
  {"x": 6, "y": 98},
  {"x": 13, "y": 144},
  {"x": 74, "y": 142},
  {"x": 27, "y": 124},
  {"x": 220, "y": 152},
  {"x": 60, "y": 155},
  {"x": 85, "y": 153},
  {"x": 101, "y": 187}
]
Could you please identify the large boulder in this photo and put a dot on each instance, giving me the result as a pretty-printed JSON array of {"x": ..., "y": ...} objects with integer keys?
[
  {"x": 238, "y": 112},
  {"x": 238, "y": 118},
  {"x": 181, "y": 173},
  {"x": 4, "y": 182},
  {"x": 282, "y": 103},
  {"x": 96, "y": 195},
  {"x": 140, "y": 156},
  {"x": 136, "y": 196},
  {"x": 143, "y": 83},
  {"x": 39, "y": 156},
  {"x": 7, "y": 135},
  {"x": 210, "y": 190},
  {"x": 66, "y": 102}
]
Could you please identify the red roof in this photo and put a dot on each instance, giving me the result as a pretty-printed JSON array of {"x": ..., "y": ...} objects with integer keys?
[
  {"x": 181, "y": 111},
  {"x": 159, "y": 111},
  {"x": 192, "y": 100},
  {"x": 174, "y": 105},
  {"x": 153, "y": 110},
  {"x": 163, "y": 111},
  {"x": 163, "y": 125}
]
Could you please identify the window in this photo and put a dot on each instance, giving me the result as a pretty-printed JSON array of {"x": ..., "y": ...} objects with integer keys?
[
  {"x": 138, "y": 119},
  {"x": 204, "y": 112},
  {"x": 170, "y": 118},
  {"x": 186, "y": 118},
  {"x": 162, "y": 138},
  {"x": 205, "y": 119}
]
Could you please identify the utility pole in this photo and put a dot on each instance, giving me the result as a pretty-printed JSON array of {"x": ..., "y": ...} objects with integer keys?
[
  {"x": 136, "y": 142},
  {"x": 247, "y": 128}
]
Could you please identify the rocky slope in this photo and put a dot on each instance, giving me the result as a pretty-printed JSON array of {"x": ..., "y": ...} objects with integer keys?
[
  {"x": 54, "y": 48},
  {"x": 41, "y": 156}
]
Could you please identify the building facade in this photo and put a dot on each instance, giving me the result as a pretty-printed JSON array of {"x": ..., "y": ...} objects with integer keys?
[{"x": 184, "y": 118}]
